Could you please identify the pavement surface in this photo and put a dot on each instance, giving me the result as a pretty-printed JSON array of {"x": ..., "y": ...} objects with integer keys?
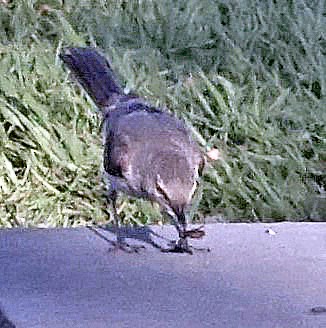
[{"x": 251, "y": 278}]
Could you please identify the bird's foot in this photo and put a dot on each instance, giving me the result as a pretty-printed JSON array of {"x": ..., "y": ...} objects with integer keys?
[
  {"x": 182, "y": 246},
  {"x": 125, "y": 247}
]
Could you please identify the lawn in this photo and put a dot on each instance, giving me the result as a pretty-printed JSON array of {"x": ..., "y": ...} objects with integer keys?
[{"x": 248, "y": 77}]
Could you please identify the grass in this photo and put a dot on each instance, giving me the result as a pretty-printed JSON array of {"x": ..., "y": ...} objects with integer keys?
[{"x": 247, "y": 77}]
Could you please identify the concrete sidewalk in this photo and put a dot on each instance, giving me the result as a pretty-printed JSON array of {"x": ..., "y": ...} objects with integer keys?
[{"x": 67, "y": 278}]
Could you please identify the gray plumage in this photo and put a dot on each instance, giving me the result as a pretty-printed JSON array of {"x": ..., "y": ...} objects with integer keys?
[{"x": 148, "y": 152}]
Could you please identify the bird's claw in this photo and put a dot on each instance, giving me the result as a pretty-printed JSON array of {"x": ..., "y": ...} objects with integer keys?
[
  {"x": 176, "y": 247},
  {"x": 182, "y": 246}
]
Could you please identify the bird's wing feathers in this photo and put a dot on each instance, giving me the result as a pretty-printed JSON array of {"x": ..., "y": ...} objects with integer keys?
[{"x": 138, "y": 143}]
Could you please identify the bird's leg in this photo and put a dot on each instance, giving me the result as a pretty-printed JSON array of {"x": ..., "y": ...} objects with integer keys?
[
  {"x": 113, "y": 198},
  {"x": 120, "y": 243},
  {"x": 184, "y": 234},
  {"x": 181, "y": 245}
]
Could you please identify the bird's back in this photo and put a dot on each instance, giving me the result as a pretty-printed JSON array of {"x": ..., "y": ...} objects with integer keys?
[{"x": 144, "y": 144}]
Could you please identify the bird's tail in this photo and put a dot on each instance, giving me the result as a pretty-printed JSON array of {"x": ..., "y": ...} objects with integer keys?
[{"x": 93, "y": 72}]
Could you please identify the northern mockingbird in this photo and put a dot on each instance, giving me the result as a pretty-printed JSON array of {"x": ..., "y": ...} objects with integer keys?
[{"x": 148, "y": 153}]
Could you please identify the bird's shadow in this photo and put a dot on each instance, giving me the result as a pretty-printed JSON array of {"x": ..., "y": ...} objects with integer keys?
[{"x": 142, "y": 233}]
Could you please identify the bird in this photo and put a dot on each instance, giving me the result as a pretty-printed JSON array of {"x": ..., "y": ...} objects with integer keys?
[{"x": 148, "y": 152}]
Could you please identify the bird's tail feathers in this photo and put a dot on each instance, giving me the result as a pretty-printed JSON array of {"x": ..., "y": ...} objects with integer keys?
[{"x": 93, "y": 72}]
